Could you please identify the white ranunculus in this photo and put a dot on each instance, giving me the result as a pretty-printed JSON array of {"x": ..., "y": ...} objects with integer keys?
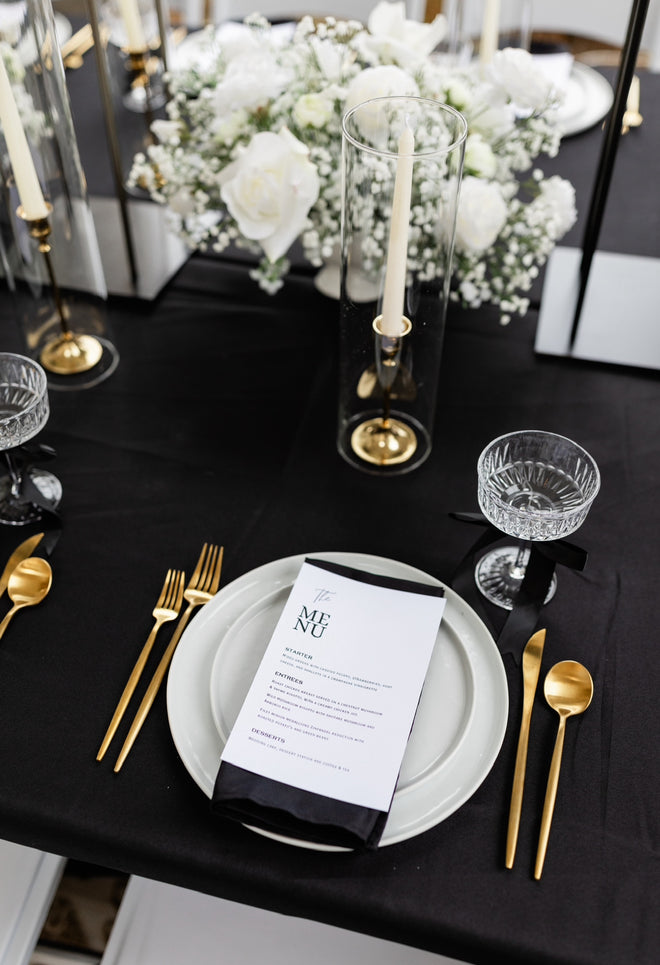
[
  {"x": 403, "y": 41},
  {"x": 237, "y": 39},
  {"x": 480, "y": 158},
  {"x": 227, "y": 128},
  {"x": 269, "y": 190},
  {"x": 251, "y": 80},
  {"x": 329, "y": 58},
  {"x": 482, "y": 213},
  {"x": 167, "y": 132},
  {"x": 313, "y": 110},
  {"x": 515, "y": 71},
  {"x": 182, "y": 202},
  {"x": 459, "y": 94},
  {"x": 491, "y": 115}
]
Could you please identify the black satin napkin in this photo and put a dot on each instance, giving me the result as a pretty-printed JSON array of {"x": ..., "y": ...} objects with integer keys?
[
  {"x": 25, "y": 457},
  {"x": 543, "y": 558},
  {"x": 270, "y": 805}
]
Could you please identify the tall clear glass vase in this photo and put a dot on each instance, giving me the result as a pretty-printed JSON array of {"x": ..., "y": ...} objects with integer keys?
[
  {"x": 49, "y": 253},
  {"x": 389, "y": 362}
]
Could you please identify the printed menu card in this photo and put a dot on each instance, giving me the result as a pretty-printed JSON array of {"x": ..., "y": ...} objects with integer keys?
[{"x": 318, "y": 743}]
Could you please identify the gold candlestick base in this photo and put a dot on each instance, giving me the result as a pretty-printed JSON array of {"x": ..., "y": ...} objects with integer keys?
[
  {"x": 68, "y": 353},
  {"x": 71, "y": 354},
  {"x": 384, "y": 442},
  {"x": 145, "y": 91}
]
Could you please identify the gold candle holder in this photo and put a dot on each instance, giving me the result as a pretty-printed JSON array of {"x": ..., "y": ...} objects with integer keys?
[
  {"x": 144, "y": 94},
  {"x": 69, "y": 353},
  {"x": 384, "y": 440},
  {"x": 396, "y": 151}
]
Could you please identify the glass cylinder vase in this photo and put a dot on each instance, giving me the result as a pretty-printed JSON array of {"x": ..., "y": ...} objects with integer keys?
[
  {"x": 402, "y": 163},
  {"x": 49, "y": 253}
]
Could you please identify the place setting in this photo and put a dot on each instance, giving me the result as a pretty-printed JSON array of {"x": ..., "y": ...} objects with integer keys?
[
  {"x": 342, "y": 701},
  {"x": 297, "y": 711}
]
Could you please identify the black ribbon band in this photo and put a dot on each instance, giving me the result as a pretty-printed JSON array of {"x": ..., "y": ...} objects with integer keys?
[
  {"x": 25, "y": 457},
  {"x": 521, "y": 621}
]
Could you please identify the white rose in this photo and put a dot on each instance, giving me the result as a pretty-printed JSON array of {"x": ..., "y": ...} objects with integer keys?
[
  {"x": 557, "y": 197},
  {"x": 481, "y": 214},
  {"x": 312, "y": 110},
  {"x": 403, "y": 41},
  {"x": 385, "y": 81},
  {"x": 526, "y": 84},
  {"x": 270, "y": 189},
  {"x": 250, "y": 81},
  {"x": 480, "y": 158}
]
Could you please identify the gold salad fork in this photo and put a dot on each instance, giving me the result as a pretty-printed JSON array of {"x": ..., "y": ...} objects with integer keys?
[
  {"x": 202, "y": 587},
  {"x": 167, "y": 608}
]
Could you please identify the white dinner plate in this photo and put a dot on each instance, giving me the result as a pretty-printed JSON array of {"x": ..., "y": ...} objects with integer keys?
[
  {"x": 588, "y": 98},
  {"x": 460, "y": 721}
]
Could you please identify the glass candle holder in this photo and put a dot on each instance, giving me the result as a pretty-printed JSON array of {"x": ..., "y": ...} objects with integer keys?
[
  {"x": 135, "y": 53},
  {"x": 49, "y": 250},
  {"x": 402, "y": 168}
]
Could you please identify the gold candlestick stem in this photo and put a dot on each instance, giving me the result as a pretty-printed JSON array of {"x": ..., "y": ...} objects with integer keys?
[
  {"x": 68, "y": 353},
  {"x": 386, "y": 441},
  {"x": 138, "y": 68}
]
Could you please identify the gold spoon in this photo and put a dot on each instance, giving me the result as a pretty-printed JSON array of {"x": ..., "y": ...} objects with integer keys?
[
  {"x": 28, "y": 584},
  {"x": 568, "y": 689}
]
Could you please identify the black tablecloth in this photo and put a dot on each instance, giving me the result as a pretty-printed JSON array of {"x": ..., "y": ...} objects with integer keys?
[{"x": 219, "y": 424}]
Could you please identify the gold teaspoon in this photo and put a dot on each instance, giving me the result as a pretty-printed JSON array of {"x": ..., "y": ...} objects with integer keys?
[
  {"x": 28, "y": 584},
  {"x": 568, "y": 689}
]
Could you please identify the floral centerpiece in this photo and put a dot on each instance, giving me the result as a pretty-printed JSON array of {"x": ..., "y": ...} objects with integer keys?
[{"x": 250, "y": 154}]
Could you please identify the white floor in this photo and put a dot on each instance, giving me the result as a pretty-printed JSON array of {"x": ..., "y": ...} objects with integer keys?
[{"x": 159, "y": 924}]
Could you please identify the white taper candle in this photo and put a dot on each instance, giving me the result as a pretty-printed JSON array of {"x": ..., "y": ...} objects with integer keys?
[
  {"x": 25, "y": 175},
  {"x": 490, "y": 30},
  {"x": 133, "y": 22},
  {"x": 397, "y": 252}
]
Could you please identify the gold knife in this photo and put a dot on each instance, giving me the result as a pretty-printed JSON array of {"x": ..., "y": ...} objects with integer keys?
[
  {"x": 531, "y": 666},
  {"x": 20, "y": 553}
]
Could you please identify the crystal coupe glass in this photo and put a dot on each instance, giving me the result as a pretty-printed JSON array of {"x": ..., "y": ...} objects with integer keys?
[
  {"x": 535, "y": 486},
  {"x": 24, "y": 411}
]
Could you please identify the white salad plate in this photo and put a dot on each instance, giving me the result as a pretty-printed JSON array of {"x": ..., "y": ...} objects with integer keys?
[
  {"x": 588, "y": 98},
  {"x": 460, "y": 720}
]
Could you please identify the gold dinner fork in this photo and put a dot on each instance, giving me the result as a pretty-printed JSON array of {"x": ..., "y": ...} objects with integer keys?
[
  {"x": 167, "y": 608},
  {"x": 202, "y": 587}
]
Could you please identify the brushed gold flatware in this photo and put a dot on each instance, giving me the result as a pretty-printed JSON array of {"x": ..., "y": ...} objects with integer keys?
[
  {"x": 568, "y": 689},
  {"x": 26, "y": 548},
  {"x": 167, "y": 608},
  {"x": 202, "y": 587},
  {"x": 531, "y": 666},
  {"x": 28, "y": 584}
]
